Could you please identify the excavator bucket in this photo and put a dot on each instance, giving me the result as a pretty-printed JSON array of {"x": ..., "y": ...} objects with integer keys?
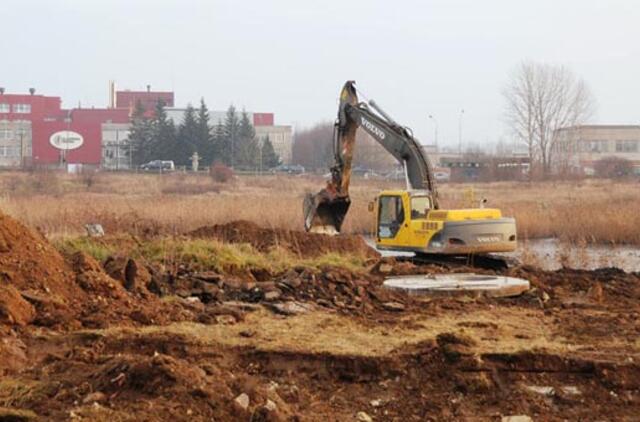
[{"x": 324, "y": 213}]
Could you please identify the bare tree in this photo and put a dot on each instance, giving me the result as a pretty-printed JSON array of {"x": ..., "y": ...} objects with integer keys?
[
  {"x": 313, "y": 149},
  {"x": 541, "y": 99}
]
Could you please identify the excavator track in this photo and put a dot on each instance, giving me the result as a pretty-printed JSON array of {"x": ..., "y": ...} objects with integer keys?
[{"x": 485, "y": 262}]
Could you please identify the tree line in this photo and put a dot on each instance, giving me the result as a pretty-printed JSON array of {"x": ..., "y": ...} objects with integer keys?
[
  {"x": 313, "y": 149},
  {"x": 232, "y": 141}
]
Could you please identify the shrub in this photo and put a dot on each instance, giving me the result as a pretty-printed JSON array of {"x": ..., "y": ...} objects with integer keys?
[
  {"x": 613, "y": 167},
  {"x": 221, "y": 173}
]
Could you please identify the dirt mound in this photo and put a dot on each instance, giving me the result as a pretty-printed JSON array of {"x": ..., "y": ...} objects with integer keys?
[
  {"x": 29, "y": 263},
  {"x": 609, "y": 287},
  {"x": 40, "y": 286},
  {"x": 301, "y": 243},
  {"x": 149, "y": 375}
]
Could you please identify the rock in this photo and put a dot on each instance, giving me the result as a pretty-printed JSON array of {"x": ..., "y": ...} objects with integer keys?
[
  {"x": 545, "y": 297},
  {"x": 14, "y": 309},
  {"x": 516, "y": 418},
  {"x": 571, "y": 390},
  {"x": 267, "y": 286},
  {"x": 544, "y": 390},
  {"x": 225, "y": 319},
  {"x": 208, "y": 276},
  {"x": 128, "y": 271},
  {"x": 293, "y": 281},
  {"x": 241, "y": 402},
  {"x": 385, "y": 268},
  {"x": 94, "y": 230},
  {"x": 375, "y": 403},
  {"x": 393, "y": 306},
  {"x": 272, "y": 295},
  {"x": 97, "y": 396},
  {"x": 290, "y": 308},
  {"x": 363, "y": 417},
  {"x": 270, "y": 406}
]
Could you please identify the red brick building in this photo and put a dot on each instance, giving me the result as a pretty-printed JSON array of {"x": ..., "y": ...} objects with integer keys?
[
  {"x": 36, "y": 131},
  {"x": 28, "y": 122},
  {"x": 148, "y": 99}
]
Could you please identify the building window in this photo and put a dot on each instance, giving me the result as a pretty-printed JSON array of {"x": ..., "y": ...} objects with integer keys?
[
  {"x": 22, "y": 108},
  {"x": 5, "y": 131},
  {"x": 6, "y": 151},
  {"x": 626, "y": 146},
  {"x": 4, "y": 108}
]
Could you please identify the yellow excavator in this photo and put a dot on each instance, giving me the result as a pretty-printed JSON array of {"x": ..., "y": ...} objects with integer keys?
[{"x": 408, "y": 220}]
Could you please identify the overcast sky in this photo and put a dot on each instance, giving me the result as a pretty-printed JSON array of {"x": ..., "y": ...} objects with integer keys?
[{"x": 291, "y": 57}]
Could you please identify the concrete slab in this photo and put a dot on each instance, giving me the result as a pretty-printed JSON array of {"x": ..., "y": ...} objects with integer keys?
[{"x": 463, "y": 283}]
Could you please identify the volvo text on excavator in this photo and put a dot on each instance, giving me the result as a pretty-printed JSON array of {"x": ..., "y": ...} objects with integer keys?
[{"x": 406, "y": 220}]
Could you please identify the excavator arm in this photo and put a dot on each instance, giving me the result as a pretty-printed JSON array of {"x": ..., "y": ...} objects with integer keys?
[{"x": 325, "y": 211}]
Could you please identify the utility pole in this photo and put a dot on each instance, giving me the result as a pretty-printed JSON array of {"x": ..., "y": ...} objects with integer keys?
[
  {"x": 435, "y": 122},
  {"x": 460, "y": 132}
]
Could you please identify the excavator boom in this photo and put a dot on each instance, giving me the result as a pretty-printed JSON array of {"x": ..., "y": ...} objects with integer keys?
[{"x": 325, "y": 211}]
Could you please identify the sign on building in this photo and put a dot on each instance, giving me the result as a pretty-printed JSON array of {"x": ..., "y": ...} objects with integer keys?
[{"x": 66, "y": 140}]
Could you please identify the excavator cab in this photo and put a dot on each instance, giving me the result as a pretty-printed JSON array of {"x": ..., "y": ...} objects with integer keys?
[{"x": 406, "y": 221}]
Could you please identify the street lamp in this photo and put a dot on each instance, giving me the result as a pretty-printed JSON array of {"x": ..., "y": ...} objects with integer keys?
[
  {"x": 460, "y": 131},
  {"x": 435, "y": 122}
]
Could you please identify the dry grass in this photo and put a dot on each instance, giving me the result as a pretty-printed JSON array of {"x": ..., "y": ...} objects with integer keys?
[
  {"x": 203, "y": 255},
  {"x": 322, "y": 333},
  {"x": 596, "y": 211}
]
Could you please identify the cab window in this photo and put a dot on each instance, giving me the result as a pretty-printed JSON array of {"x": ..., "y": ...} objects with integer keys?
[
  {"x": 390, "y": 217},
  {"x": 420, "y": 206}
]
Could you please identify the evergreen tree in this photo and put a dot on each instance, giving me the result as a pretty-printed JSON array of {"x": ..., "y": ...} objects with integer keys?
[
  {"x": 205, "y": 140},
  {"x": 228, "y": 142},
  {"x": 247, "y": 146},
  {"x": 140, "y": 136},
  {"x": 164, "y": 134},
  {"x": 269, "y": 157},
  {"x": 218, "y": 144},
  {"x": 187, "y": 139}
]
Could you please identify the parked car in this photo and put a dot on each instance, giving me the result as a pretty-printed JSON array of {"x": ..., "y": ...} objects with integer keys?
[
  {"x": 289, "y": 169},
  {"x": 397, "y": 174},
  {"x": 159, "y": 166},
  {"x": 364, "y": 172},
  {"x": 442, "y": 175}
]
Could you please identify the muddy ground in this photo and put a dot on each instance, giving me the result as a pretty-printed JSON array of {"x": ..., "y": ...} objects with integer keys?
[{"x": 123, "y": 341}]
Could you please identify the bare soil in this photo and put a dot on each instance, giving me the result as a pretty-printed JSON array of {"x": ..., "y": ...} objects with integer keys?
[
  {"x": 301, "y": 243},
  {"x": 120, "y": 341}
]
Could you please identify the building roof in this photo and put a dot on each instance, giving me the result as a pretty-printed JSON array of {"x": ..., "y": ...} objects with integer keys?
[{"x": 599, "y": 127}]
